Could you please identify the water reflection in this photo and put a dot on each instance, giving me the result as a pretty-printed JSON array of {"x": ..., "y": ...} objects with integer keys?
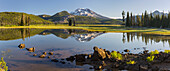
[
  {"x": 13, "y": 34},
  {"x": 147, "y": 38},
  {"x": 79, "y": 35}
]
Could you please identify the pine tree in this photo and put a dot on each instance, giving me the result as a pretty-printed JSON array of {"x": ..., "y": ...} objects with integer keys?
[
  {"x": 74, "y": 23},
  {"x": 162, "y": 21},
  {"x": 70, "y": 22},
  {"x": 131, "y": 20},
  {"x": 169, "y": 20},
  {"x": 123, "y": 15},
  {"x": 127, "y": 20},
  {"x": 22, "y": 20},
  {"x": 138, "y": 21},
  {"x": 151, "y": 20},
  {"x": 142, "y": 20}
]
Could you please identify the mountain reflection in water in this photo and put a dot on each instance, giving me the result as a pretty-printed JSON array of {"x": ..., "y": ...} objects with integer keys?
[{"x": 79, "y": 35}]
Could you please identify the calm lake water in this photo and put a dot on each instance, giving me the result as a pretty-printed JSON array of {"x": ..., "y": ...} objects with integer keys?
[{"x": 66, "y": 42}]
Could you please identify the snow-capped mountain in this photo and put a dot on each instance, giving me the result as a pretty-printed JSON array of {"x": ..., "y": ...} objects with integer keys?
[
  {"x": 159, "y": 13},
  {"x": 86, "y": 37},
  {"x": 87, "y": 12}
]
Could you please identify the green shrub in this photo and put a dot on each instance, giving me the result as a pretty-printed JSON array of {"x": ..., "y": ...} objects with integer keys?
[
  {"x": 131, "y": 62},
  {"x": 167, "y": 51},
  {"x": 154, "y": 52},
  {"x": 116, "y": 55},
  {"x": 3, "y": 65},
  {"x": 150, "y": 58}
]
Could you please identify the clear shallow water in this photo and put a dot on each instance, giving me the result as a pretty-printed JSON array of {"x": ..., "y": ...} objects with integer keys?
[{"x": 66, "y": 43}]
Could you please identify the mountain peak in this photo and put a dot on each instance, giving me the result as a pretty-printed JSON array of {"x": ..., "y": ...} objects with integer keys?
[
  {"x": 156, "y": 11},
  {"x": 87, "y": 12}
]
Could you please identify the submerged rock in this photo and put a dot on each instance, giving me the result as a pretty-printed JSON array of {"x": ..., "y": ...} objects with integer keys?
[
  {"x": 45, "y": 53},
  {"x": 21, "y": 46},
  {"x": 48, "y": 56},
  {"x": 31, "y": 49},
  {"x": 146, "y": 51},
  {"x": 62, "y": 62},
  {"x": 51, "y": 53},
  {"x": 80, "y": 58},
  {"x": 54, "y": 60},
  {"x": 42, "y": 56},
  {"x": 126, "y": 50},
  {"x": 98, "y": 67},
  {"x": 34, "y": 54},
  {"x": 71, "y": 58},
  {"x": 89, "y": 56}
]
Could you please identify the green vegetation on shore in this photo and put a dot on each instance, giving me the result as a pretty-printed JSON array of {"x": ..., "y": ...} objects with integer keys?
[
  {"x": 148, "y": 20},
  {"x": 20, "y": 19},
  {"x": 3, "y": 66},
  {"x": 100, "y": 28}
]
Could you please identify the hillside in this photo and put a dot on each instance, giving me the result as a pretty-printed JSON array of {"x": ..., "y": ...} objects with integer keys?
[
  {"x": 62, "y": 17},
  {"x": 14, "y": 18}
]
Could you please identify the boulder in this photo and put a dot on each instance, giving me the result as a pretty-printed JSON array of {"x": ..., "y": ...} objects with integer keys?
[
  {"x": 51, "y": 53},
  {"x": 108, "y": 55},
  {"x": 21, "y": 46},
  {"x": 146, "y": 51},
  {"x": 48, "y": 56},
  {"x": 89, "y": 56},
  {"x": 45, "y": 53},
  {"x": 126, "y": 50},
  {"x": 80, "y": 58},
  {"x": 31, "y": 49},
  {"x": 97, "y": 67},
  {"x": 71, "y": 58},
  {"x": 99, "y": 54},
  {"x": 54, "y": 60},
  {"x": 34, "y": 54},
  {"x": 42, "y": 56}
]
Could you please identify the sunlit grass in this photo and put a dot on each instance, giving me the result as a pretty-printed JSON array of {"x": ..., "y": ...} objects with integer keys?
[
  {"x": 98, "y": 27},
  {"x": 131, "y": 62}
]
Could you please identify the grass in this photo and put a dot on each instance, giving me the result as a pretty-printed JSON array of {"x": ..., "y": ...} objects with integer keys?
[
  {"x": 98, "y": 27},
  {"x": 3, "y": 66}
]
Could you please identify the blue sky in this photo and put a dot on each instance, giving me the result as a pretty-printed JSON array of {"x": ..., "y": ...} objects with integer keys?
[{"x": 109, "y": 8}]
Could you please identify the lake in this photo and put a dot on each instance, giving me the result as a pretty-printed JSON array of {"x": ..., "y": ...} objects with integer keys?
[{"x": 68, "y": 42}]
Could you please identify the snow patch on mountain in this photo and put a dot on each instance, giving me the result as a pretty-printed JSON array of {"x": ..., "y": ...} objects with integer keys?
[{"x": 87, "y": 12}]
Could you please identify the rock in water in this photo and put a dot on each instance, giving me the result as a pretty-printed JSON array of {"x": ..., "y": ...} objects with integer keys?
[
  {"x": 31, "y": 49},
  {"x": 126, "y": 50},
  {"x": 45, "y": 53},
  {"x": 99, "y": 54},
  {"x": 34, "y": 54},
  {"x": 80, "y": 58},
  {"x": 51, "y": 53},
  {"x": 42, "y": 56},
  {"x": 146, "y": 51},
  {"x": 21, "y": 46}
]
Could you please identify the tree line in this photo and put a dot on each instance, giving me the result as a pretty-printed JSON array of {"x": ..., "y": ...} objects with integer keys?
[{"x": 147, "y": 20}]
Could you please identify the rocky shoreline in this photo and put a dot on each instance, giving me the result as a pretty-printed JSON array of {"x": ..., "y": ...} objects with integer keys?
[{"x": 102, "y": 59}]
